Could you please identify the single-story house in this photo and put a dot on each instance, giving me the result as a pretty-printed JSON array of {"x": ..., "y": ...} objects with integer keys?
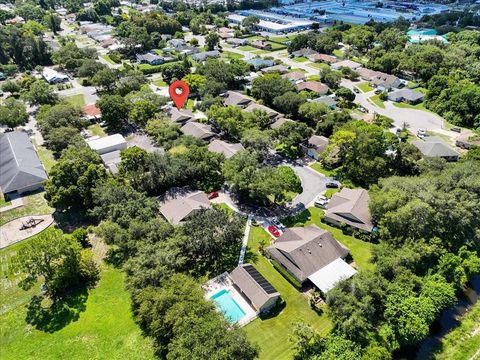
[
  {"x": 350, "y": 207},
  {"x": 237, "y": 42},
  {"x": 346, "y": 63},
  {"x": 181, "y": 116},
  {"x": 53, "y": 77},
  {"x": 406, "y": 95},
  {"x": 304, "y": 251},
  {"x": 258, "y": 62},
  {"x": 20, "y": 167},
  {"x": 295, "y": 76},
  {"x": 149, "y": 58},
  {"x": 315, "y": 86},
  {"x": 260, "y": 44},
  {"x": 205, "y": 55},
  {"x": 198, "y": 130},
  {"x": 316, "y": 145},
  {"x": 324, "y": 58},
  {"x": 177, "y": 44},
  {"x": 327, "y": 100},
  {"x": 180, "y": 207},
  {"x": 305, "y": 52},
  {"x": 236, "y": 99},
  {"x": 222, "y": 147},
  {"x": 279, "y": 122},
  {"x": 254, "y": 106},
  {"x": 432, "y": 146},
  {"x": 254, "y": 287},
  {"x": 276, "y": 68},
  {"x": 107, "y": 144},
  {"x": 92, "y": 112},
  {"x": 380, "y": 80}
]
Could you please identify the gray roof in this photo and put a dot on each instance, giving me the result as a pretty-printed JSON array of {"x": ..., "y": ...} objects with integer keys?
[
  {"x": 327, "y": 100},
  {"x": 253, "y": 285},
  {"x": 227, "y": 149},
  {"x": 435, "y": 148},
  {"x": 198, "y": 130},
  {"x": 305, "y": 250},
  {"x": 20, "y": 167},
  {"x": 179, "y": 116},
  {"x": 406, "y": 94},
  {"x": 319, "y": 143},
  {"x": 204, "y": 55},
  {"x": 180, "y": 206},
  {"x": 350, "y": 206},
  {"x": 236, "y": 99},
  {"x": 276, "y": 68},
  {"x": 254, "y": 106},
  {"x": 279, "y": 122}
]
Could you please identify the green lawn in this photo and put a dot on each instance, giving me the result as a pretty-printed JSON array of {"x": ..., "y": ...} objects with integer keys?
[
  {"x": 46, "y": 156},
  {"x": 365, "y": 87},
  {"x": 231, "y": 55},
  {"x": 338, "y": 53},
  {"x": 419, "y": 106},
  {"x": 318, "y": 167},
  {"x": 463, "y": 342},
  {"x": 361, "y": 251},
  {"x": 273, "y": 334},
  {"x": 276, "y": 46},
  {"x": 375, "y": 99},
  {"x": 300, "y": 59},
  {"x": 104, "y": 329},
  {"x": 319, "y": 65},
  {"x": 189, "y": 104},
  {"x": 329, "y": 192},
  {"x": 3, "y": 202},
  {"x": 283, "y": 39},
  {"x": 160, "y": 83},
  {"x": 76, "y": 100},
  {"x": 33, "y": 204},
  {"x": 96, "y": 130},
  {"x": 247, "y": 48},
  {"x": 107, "y": 59},
  {"x": 313, "y": 78}
]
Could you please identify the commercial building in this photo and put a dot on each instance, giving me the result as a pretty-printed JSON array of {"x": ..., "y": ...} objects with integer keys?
[
  {"x": 107, "y": 144},
  {"x": 272, "y": 23}
]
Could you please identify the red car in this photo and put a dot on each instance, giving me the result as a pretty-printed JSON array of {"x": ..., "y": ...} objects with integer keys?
[
  {"x": 273, "y": 230},
  {"x": 212, "y": 195}
]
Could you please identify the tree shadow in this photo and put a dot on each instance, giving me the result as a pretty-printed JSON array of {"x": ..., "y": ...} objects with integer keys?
[
  {"x": 275, "y": 311},
  {"x": 59, "y": 313}
]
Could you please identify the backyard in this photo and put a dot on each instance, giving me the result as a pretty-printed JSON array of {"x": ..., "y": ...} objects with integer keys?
[
  {"x": 33, "y": 204},
  {"x": 272, "y": 334},
  {"x": 76, "y": 100}
]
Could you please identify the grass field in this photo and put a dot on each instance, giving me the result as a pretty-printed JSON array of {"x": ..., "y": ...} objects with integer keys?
[
  {"x": 419, "y": 106},
  {"x": 97, "y": 130},
  {"x": 107, "y": 59},
  {"x": 338, "y": 53},
  {"x": 283, "y": 39},
  {"x": 247, "y": 48},
  {"x": 361, "y": 251},
  {"x": 76, "y": 100},
  {"x": 300, "y": 59},
  {"x": 103, "y": 328},
  {"x": 463, "y": 342},
  {"x": 318, "y": 167},
  {"x": 375, "y": 99},
  {"x": 46, "y": 156},
  {"x": 276, "y": 46},
  {"x": 33, "y": 204},
  {"x": 160, "y": 83},
  {"x": 3, "y": 202},
  {"x": 272, "y": 334},
  {"x": 319, "y": 66},
  {"x": 231, "y": 55},
  {"x": 365, "y": 87}
]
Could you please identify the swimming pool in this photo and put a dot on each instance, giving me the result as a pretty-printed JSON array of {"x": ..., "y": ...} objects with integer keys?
[{"x": 228, "y": 306}]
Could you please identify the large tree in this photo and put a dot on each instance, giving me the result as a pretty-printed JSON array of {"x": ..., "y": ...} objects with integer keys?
[{"x": 13, "y": 113}]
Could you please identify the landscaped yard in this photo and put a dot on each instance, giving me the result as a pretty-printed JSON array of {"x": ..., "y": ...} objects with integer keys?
[
  {"x": 96, "y": 130},
  {"x": 276, "y": 46},
  {"x": 231, "y": 55},
  {"x": 338, "y": 53},
  {"x": 375, "y": 99},
  {"x": 247, "y": 48},
  {"x": 3, "y": 202},
  {"x": 319, "y": 66},
  {"x": 46, "y": 156},
  {"x": 107, "y": 59},
  {"x": 318, "y": 167},
  {"x": 33, "y": 204},
  {"x": 365, "y": 87},
  {"x": 104, "y": 329},
  {"x": 76, "y": 100},
  {"x": 160, "y": 83},
  {"x": 272, "y": 334},
  {"x": 300, "y": 59},
  {"x": 419, "y": 106},
  {"x": 283, "y": 39},
  {"x": 361, "y": 251}
]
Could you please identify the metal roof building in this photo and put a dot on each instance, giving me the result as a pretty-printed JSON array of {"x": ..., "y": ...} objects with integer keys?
[{"x": 20, "y": 167}]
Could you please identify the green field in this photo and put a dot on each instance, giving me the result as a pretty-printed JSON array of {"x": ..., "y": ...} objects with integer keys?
[
  {"x": 318, "y": 167},
  {"x": 107, "y": 59},
  {"x": 338, "y": 53},
  {"x": 102, "y": 327},
  {"x": 365, "y": 87},
  {"x": 76, "y": 100},
  {"x": 283, "y": 39},
  {"x": 272, "y": 334},
  {"x": 300, "y": 59},
  {"x": 319, "y": 66},
  {"x": 419, "y": 106},
  {"x": 375, "y": 99},
  {"x": 247, "y": 48},
  {"x": 231, "y": 55}
]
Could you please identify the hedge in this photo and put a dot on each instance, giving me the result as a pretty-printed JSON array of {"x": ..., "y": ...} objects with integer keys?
[{"x": 286, "y": 274}]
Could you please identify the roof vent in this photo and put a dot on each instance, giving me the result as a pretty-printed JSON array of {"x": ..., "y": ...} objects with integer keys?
[
  {"x": 320, "y": 244},
  {"x": 309, "y": 251}
]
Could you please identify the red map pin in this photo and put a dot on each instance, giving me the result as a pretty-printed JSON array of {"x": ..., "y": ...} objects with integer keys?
[{"x": 179, "y": 91}]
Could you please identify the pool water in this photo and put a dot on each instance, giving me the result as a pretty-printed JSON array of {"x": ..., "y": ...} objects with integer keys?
[{"x": 228, "y": 306}]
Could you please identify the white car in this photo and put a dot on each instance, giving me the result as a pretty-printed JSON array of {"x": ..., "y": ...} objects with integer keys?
[{"x": 321, "y": 201}]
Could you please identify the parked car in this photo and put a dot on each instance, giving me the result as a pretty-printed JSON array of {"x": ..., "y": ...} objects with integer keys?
[
  {"x": 421, "y": 133},
  {"x": 456, "y": 129},
  {"x": 273, "y": 230},
  {"x": 332, "y": 185},
  {"x": 278, "y": 224},
  {"x": 321, "y": 201},
  {"x": 212, "y": 195},
  {"x": 355, "y": 90},
  {"x": 378, "y": 92}
]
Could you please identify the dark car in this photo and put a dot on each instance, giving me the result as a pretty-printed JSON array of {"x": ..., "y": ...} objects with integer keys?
[
  {"x": 212, "y": 195},
  {"x": 456, "y": 129},
  {"x": 332, "y": 185}
]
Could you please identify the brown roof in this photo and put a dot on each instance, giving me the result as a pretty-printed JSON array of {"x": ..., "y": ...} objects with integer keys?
[
  {"x": 227, "y": 149},
  {"x": 295, "y": 75},
  {"x": 180, "y": 116},
  {"x": 198, "y": 130},
  {"x": 236, "y": 99},
  {"x": 253, "y": 285},
  {"x": 279, "y": 122},
  {"x": 91, "y": 110},
  {"x": 323, "y": 58},
  {"x": 350, "y": 206},
  {"x": 179, "y": 207},
  {"x": 305, "y": 250},
  {"x": 319, "y": 143},
  {"x": 315, "y": 86},
  {"x": 275, "y": 68},
  {"x": 254, "y": 106}
]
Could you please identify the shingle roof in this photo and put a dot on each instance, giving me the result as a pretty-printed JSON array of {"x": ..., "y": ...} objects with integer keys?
[
  {"x": 254, "y": 106},
  {"x": 179, "y": 116},
  {"x": 181, "y": 206},
  {"x": 407, "y": 94},
  {"x": 316, "y": 86},
  {"x": 305, "y": 250},
  {"x": 236, "y": 99},
  {"x": 350, "y": 206},
  {"x": 276, "y": 68},
  {"x": 257, "y": 289},
  {"x": 198, "y": 130},
  {"x": 434, "y": 148},
  {"x": 20, "y": 166},
  {"x": 227, "y": 149}
]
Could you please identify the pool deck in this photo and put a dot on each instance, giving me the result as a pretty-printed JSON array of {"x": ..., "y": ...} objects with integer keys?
[{"x": 223, "y": 282}]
